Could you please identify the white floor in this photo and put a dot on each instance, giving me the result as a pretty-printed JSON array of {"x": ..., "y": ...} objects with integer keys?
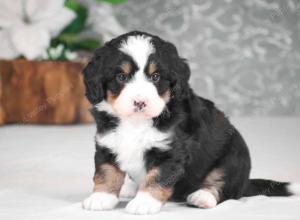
[{"x": 45, "y": 172}]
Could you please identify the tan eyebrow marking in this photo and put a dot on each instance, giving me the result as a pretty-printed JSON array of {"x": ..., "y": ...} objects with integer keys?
[
  {"x": 152, "y": 68},
  {"x": 126, "y": 67}
]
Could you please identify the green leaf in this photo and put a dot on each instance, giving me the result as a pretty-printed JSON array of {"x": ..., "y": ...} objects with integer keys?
[
  {"x": 67, "y": 38},
  {"x": 79, "y": 22},
  {"x": 72, "y": 42},
  {"x": 113, "y": 1},
  {"x": 87, "y": 44}
]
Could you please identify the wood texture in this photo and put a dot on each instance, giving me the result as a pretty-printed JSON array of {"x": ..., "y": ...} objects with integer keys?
[{"x": 47, "y": 92}]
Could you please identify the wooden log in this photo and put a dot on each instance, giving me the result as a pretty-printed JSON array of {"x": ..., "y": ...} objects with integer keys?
[{"x": 46, "y": 92}]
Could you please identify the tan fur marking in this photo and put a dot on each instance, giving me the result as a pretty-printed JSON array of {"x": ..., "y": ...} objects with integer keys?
[
  {"x": 214, "y": 182},
  {"x": 152, "y": 68},
  {"x": 151, "y": 186},
  {"x": 110, "y": 97},
  {"x": 126, "y": 67},
  {"x": 108, "y": 178},
  {"x": 166, "y": 96}
]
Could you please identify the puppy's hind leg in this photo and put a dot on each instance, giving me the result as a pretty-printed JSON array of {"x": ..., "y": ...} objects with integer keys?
[{"x": 208, "y": 195}]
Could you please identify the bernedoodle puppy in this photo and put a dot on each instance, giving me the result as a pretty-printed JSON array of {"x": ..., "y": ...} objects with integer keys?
[{"x": 156, "y": 139}]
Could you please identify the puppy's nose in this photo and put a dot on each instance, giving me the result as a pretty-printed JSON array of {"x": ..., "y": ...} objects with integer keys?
[{"x": 139, "y": 104}]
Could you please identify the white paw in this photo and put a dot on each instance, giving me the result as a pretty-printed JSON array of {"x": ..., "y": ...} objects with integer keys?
[
  {"x": 143, "y": 204},
  {"x": 202, "y": 199},
  {"x": 100, "y": 201},
  {"x": 294, "y": 188},
  {"x": 129, "y": 188}
]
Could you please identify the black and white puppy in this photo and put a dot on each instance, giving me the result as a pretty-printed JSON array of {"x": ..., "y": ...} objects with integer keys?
[{"x": 153, "y": 129}]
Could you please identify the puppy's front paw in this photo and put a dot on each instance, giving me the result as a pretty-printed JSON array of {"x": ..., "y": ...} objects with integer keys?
[
  {"x": 100, "y": 201},
  {"x": 143, "y": 204}
]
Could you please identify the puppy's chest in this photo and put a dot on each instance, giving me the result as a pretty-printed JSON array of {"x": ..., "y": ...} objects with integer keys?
[{"x": 129, "y": 141}]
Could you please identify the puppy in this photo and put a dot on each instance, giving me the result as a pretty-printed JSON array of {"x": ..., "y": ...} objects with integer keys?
[{"x": 153, "y": 129}]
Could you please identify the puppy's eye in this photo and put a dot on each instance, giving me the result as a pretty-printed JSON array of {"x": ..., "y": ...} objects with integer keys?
[
  {"x": 121, "y": 77},
  {"x": 155, "y": 77}
]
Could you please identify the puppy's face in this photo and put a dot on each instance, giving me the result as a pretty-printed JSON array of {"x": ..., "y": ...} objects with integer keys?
[
  {"x": 136, "y": 74},
  {"x": 139, "y": 85}
]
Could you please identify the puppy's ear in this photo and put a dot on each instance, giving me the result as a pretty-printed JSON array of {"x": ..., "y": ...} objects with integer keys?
[
  {"x": 93, "y": 75},
  {"x": 179, "y": 71},
  {"x": 180, "y": 87}
]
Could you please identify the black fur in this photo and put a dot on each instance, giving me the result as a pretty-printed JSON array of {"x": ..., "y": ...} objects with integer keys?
[{"x": 203, "y": 138}]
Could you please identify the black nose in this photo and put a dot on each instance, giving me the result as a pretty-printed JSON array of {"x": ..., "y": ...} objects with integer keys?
[{"x": 139, "y": 105}]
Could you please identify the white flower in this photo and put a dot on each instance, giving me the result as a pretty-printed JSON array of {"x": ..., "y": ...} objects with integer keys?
[
  {"x": 56, "y": 52},
  {"x": 27, "y": 26},
  {"x": 71, "y": 55}
]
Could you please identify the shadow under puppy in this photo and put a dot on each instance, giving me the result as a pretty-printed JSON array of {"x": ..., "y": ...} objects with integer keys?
[{"x": 155, "y": 133}]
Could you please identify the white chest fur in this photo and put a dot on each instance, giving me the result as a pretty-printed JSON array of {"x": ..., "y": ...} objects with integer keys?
[{"x": 129, "y": 141}]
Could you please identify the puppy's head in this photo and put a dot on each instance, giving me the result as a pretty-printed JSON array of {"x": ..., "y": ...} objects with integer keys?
[{"x": 136, "y": 74}]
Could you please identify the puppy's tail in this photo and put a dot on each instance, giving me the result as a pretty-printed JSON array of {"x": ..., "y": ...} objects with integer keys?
[{"x": 271, "y": 188}]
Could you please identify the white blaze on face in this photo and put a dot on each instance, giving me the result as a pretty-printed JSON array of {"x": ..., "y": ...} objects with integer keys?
[{"x": 139, "y": 89}]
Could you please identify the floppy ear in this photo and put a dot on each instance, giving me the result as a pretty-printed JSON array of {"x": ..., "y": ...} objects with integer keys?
[
  {"x": 93, "y": 86},
  {"x": 179, "y": 70},
  {"x": 180, "y": 88},
  {"x": 93, "y": 75}
]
